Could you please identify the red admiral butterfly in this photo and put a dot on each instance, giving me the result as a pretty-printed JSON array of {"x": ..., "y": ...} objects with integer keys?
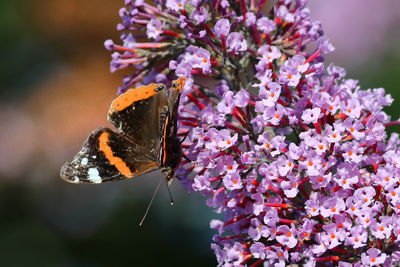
[{"x": 146, "y": 118}]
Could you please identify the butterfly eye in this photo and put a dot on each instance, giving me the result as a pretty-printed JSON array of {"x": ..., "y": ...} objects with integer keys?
[
  {"x": 175, "y": 85},
  {"x": 158, "y": 89}
]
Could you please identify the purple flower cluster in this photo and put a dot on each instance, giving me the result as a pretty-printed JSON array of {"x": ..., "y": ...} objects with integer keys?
[{"x": 293, "y": 154}]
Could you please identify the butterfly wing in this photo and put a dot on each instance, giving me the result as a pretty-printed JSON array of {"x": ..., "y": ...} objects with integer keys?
[
  {"x": 137, "y": 113},
  {"x": 170, "y": 153},
  {"x": 107, "y": 156}
]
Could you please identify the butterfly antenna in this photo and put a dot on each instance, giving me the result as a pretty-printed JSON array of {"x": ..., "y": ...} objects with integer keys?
[
  {"x": 151, "y": 202},
  {"x": 171, "y": 200}
]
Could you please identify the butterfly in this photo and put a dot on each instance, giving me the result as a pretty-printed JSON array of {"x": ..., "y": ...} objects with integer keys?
[{"x": 145, "y": 140}]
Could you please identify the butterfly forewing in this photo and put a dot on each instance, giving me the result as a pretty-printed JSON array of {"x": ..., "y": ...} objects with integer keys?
[{"x": 107, "y": 156}]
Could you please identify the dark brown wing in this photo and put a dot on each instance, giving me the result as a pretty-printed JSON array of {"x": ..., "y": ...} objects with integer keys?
[
  {"x": 137, "y": 113},
  {"x": 107, "y": 156},
  {"x": 170, "y": 154}
]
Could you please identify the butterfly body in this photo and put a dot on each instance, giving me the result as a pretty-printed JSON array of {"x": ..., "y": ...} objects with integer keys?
[{"x": 146, "y": 140}]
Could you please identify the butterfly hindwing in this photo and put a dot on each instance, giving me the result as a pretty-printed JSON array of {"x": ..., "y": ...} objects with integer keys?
[
  {"x": 137, "y": 114},
  {"x": 170, "y": 153},
  {"x": 107, "y": 156}
]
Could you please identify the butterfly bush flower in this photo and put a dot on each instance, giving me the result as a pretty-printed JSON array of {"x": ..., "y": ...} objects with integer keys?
[{"x": 294, "y": 155}]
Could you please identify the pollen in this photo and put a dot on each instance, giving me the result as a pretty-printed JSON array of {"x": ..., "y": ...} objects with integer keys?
[
  {"x": 272, "y": 94},
  {"x": 387, "y": 179},
  {"x": 228, "y": 142},
  {"x": 350, "y": 153},
  {"x": 333, "y": 209},
  {"x": 320, "y": 179},
  {"x": 321, "y": 147},
  {"x": 204, "y": 60},
  {"x": 230, "y": 167},
  {"x": 267, "y": 146},
  {"x": 373, "y": 259},
  {"x": 334, "y": 135},
  {"x": 235, "y": 181},
  {"x": 277, "y": 116},
  {"x": 310, "y": 163},
  {"x": 289, "y": 76},
  {"x": 381, "y": 228},
  {"x": 356, "y": 239},
  {"x": 333, "y": 236},
  {"x": 180, "y": 5},
  {"x": 352, "y": 129},
  {"x": 289, "y": 234},
  {"x": 330, "y": 107}
]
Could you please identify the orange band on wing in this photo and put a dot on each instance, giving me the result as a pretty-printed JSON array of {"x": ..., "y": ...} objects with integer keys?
[
  {"x": 133, "y": 95},
  {"x": 116, "y": 161},
  {"x": 181, "y": 83},
  {"x": 164, "y": 144}
]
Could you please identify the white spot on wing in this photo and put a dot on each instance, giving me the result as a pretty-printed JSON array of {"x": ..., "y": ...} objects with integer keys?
[
  {"x": 94, "y": 157},
  {"x": 76, "y": 179},
  {"x": 94, "y": 175},
  {"x": 84, "y": 161}
]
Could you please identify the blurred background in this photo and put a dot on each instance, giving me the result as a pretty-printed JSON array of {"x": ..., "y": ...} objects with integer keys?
[{"x": 55, "y": 87}]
